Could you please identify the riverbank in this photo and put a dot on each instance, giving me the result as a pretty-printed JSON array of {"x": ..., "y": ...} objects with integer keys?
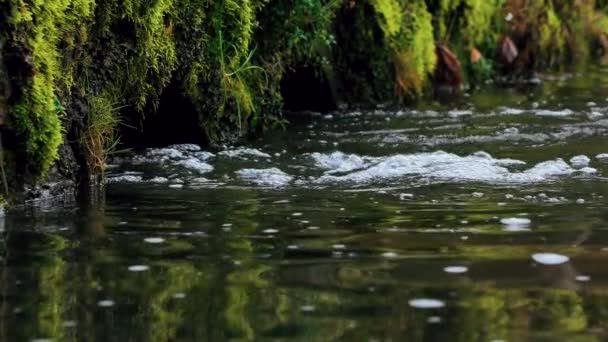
[{"x": 81, "y": 78}]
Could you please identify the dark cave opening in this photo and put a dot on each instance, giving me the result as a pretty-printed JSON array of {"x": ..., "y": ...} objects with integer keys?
[
  {"x": 307, "y": 88},
  {"x": 175, "y": 121}
]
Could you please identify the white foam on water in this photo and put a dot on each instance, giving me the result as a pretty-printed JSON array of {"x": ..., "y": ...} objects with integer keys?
[
  {"x": 550, "y": 258},
  {"x": 164, "y": 153},
  {"x": 124, "y": 179},
  {"x": 426, "y": 303},
  {"x": 244, "y": 153},
  {"x": 159, "y": 180},
  {"x": 338, "y": 162},
  {"x": 185, "y": 147},
  {"x": 272, "y": 177},
  {"x": 203, "y": 155},
  {"x": 511, "y": 111},
  {"x": 459, "y": 113},
  {"x": 555, "y": 113},
  {"x": 195, "y": 165},
  {"x": 580, "y": 161},
  {"x": 516, "y": 224},
  {"x": 588, "y": 170},
  {"x": 443, "y": 166},
  {"x": 602, "y": 156}
]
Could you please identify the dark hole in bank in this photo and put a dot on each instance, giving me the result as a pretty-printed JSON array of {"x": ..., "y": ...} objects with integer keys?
[
  {"x": 306, "y": 88},
  {"x": 174, "y": 122}
]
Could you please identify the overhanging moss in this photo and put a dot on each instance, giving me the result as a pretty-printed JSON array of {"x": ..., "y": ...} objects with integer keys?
[
  {"x": 39, "y": 27},
  {"x": 391, "y": 54}
]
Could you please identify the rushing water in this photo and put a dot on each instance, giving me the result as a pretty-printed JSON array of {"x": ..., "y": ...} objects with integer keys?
[{"x": 480, "y": 219}]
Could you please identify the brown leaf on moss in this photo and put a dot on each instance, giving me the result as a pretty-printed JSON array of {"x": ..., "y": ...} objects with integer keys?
[
  {"x": 448, "y": 71},
  {"x": 475, "y": 55},
  {"x": 507, "y": 51}
]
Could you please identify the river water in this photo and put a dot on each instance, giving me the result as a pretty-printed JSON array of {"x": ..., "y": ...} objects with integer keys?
[{"x": 481, "y": 218}]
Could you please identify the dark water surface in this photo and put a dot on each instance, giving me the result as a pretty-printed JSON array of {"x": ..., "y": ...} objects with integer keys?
[{"x": 387, "y": 225}]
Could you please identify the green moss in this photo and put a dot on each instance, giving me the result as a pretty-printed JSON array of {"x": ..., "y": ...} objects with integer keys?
[
  {"x": 408, "y": 32},
  {"x": 135, "y": 41},
  {"x": 35, "y": 117},
  {"x": 551, "y": 41}
]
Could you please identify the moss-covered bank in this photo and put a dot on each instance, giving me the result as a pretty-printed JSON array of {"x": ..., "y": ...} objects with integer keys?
[{"x": 75, "y": 74}]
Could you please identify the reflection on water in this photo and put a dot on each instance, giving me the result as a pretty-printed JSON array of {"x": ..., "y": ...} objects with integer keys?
[{"x": 186, "y": 248}]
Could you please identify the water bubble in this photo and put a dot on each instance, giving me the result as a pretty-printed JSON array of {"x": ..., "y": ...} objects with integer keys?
[
  {"x": 296, "y": 214},
  {"x": 580, "y": 201},
  {"x": 516, "y": 224},
  {"x": 154, "y": 240},
  {"x": 456, "y": 269},
  {"x": 307, "y": 308},
  {"x": 138, "y": 268},
  {"x": 434, "y": 320},
  {"x": 390, "y": 254},
  {"x": 270, "y": 231},
  {"x": 550, "y": 258},
  {"x": 405, "y": 196},
  {"x": 426, "y": 303},
  {"x": 105, "y": 303},
  {"x": 69, "y": 324}
]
